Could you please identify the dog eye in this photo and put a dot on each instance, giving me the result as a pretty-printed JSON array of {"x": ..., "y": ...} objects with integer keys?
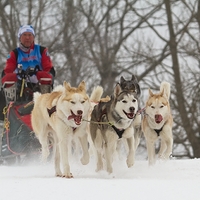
[
  {"x": 134, "y": 100},
  {"x": 152, "y": 107},
  {"x": 72, "y": 102},
  {"x": 124, "y": 101},
  {"x": 161, "y": 106},
  {"x": 82, "y": 102}
]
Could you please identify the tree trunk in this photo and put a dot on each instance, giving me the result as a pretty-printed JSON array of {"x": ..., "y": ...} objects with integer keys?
[{"x": 187, "y": 124}]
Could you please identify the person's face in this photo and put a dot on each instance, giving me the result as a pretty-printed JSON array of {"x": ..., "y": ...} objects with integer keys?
[{"x": 27, "y": 39}]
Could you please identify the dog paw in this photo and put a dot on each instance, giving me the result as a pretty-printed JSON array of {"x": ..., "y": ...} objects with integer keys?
[
  {"x": 129, "y": 163},
  {"x": 99, "y": 168},
  {"x": 58, "y": 175},
  {"x": 85, "y": 160},
  {"x": 109, "y": 170},
  {"x": 68, "y": 176},
  {"x": 65, "y": 175}
]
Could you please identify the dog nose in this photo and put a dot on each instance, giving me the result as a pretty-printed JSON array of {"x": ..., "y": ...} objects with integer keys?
[
  {"x": 79, "y": 112},
  {"x": 132, "y": 109}
]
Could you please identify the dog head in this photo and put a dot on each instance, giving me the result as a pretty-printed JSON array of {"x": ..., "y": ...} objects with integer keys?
[
  {"x": 130, "y": 85},
  {"x": 157, "y": 106},
  {"x": 125, "y": 103},
  {"x": 74, "y": 103}
]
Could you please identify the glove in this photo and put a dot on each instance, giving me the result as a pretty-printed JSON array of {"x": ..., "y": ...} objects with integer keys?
[
  {"x": 9, "y": 77},
  {"x": 44, "y": 75}
]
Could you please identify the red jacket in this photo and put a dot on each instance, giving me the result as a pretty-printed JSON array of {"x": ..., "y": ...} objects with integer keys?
[
  {"x": 43, "y": 60},
  {"x": 11, "y": 63}
]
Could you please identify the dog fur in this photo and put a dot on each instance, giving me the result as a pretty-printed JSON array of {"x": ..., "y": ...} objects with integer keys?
[
  {"x": 60, "y": 115},
  {"x": 157, "y": 123},
  {"x": 107, "y": 117}
]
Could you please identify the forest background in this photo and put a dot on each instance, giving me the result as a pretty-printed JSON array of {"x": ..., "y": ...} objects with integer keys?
[{"x": 101, "y": 40}]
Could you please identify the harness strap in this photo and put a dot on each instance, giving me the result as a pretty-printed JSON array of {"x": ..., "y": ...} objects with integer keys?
[
  {"x": 51, "y": 110},
  {"x": 119, "y": 132},
  {"x": 159, "y": 130}
]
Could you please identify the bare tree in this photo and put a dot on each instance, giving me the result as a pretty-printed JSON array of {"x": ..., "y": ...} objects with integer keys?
[{"x": 183, "y": 99}]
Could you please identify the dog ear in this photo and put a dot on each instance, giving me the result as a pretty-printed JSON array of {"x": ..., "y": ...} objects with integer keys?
[
  {"x": 165, "y": 87},
  {"x": 122, "y": 79},
  {"x": 162, "y": 92},
  {"x": 66, "y": 85},
  {"x": 134, "y": 78},
  {"x": 82, "y": 86},
  {"x": 117, "y": 90},
  {"x": 150, "y": 93},
  {"x": 137, "y": 89}
]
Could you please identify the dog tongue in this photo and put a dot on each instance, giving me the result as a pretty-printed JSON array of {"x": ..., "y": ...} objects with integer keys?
[
  {"x": 77, "y": 118},
  {"x": 130, "y": 115},
  {"x": 158, "y": 118}
]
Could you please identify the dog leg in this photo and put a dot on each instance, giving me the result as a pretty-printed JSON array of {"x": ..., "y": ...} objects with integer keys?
[
  {"x": 131, "y": 152},
  {"x": 109, "y": 152},
  {"x": 168, "y": 151},
  {"x": 137, "y": 135},
  {"x": 84, "y": 144},
  {"x": 43, "y": 139},
  {"x": 57, "y": 161},
  {"x": 163, "y": 147},
  {"x": 63, "y": 143},
  {"x": 151, "y": 151},
  {"x": 98, "y": 149}
]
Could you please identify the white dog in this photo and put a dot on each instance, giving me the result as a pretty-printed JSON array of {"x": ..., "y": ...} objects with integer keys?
[
  {"x": 157, "y": 123},
  {"x": 60, "y": 115}
]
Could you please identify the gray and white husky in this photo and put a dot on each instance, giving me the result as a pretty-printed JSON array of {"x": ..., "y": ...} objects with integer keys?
[{"x": 111, "y": 121}]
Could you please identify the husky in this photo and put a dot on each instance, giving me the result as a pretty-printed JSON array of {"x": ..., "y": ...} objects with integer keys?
[
  {"x": 157, "y": 123},
  {"x": 132, "y": 85},
  {"x": 111, "y": 121},
  {"x": 59, "y": 116}
]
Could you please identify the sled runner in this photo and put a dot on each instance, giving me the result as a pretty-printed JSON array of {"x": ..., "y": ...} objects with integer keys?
[{"x": 18, "y": 142}]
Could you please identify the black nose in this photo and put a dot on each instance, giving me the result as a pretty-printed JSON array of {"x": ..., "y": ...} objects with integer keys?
[
  {"x": 79, "y": 112},
  {"x": 132, "y": 109}
]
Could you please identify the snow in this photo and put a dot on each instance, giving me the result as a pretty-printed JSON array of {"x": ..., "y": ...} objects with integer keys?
[{"x": 172, "y": 179}]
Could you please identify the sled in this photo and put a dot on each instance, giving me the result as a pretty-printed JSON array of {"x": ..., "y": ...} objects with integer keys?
[{"x": 18, "y": 142}]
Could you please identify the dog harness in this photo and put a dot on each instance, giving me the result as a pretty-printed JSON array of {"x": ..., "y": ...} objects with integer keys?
[
  {"x": 51, "y": 111},
  {"x": 118, "y": 131},
  {"x": 158, "y": 131}
]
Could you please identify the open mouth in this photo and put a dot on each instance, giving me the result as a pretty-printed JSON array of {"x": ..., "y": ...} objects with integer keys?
[
  {"x": 158, "y": 118},
  {"x": 77, "y": 118},
  {"x": 130, "y": 115}
]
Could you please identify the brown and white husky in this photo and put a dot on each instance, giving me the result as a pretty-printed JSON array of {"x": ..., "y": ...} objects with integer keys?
[{"x": 157, "y": 123}]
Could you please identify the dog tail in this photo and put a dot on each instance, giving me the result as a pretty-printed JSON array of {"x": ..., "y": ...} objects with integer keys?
[
  {"x": 166, "y": 87},
  {"x": 59, "y": 88},
  {"x": 36, "y": 95},
  {"x": 96, "y": 94}
]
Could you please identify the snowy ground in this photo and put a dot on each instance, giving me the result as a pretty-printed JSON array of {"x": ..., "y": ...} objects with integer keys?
[{"x": 171, "y": 180}]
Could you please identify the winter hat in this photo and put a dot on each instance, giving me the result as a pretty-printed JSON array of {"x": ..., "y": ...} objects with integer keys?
[{"x": 25, "y": 28}]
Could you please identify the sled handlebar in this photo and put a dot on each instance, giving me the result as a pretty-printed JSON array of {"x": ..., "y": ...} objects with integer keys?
[{"x": 28, "y": 72}]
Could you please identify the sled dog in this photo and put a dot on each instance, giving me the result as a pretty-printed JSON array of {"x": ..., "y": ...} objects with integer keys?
[
  {"x": 111, "y": 121},
  {"x": 132, "y": 85},
  {"x": 60, "y": 115},
  {"x": 157, "y": 123}
]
